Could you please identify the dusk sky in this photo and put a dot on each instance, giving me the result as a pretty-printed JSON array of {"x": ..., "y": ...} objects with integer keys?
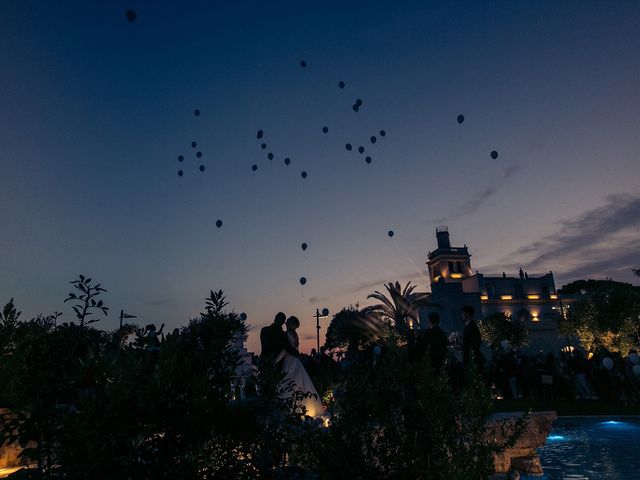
[{"x": 95, "y": 110}]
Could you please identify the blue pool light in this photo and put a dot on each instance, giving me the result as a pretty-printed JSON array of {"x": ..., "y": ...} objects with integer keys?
[{"x": 555, "y": 438}]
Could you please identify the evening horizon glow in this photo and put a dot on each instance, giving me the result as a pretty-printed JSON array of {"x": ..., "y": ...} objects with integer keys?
[{"x": 97, "y": 109}]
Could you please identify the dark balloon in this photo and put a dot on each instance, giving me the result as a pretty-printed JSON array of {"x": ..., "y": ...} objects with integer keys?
[
  {"x": 303, "y": 63},
  {"x": 325, "y": 312},
  {"x": 390, "y": 233},
  {"x": 198, "y": 154},
  {"x": 243, "y": 316},
  {"x": 460, "y": 118},
  {"x": 494, "y": 154},
  {"x": 196, "y": 113},
  {"x": 358, "y": 102},
  {"x": 219, "y": 223},
  {"x": 373, "y": 139},
  {"x": 341, "y": 84},
  {"x": 131, "y": 15},
  {"x": 325, "y": 129},
  {"x": 202, "y": 168},
  {"x": 361, "y": 149},
  {"x": 303, "y": 174},
  {"x": 287, "y": 161},
  {"x": 180, "y": 158},
  {"x": 355, "y": 107},
  {"x": 304, "y": 246},
  {"x": 180, "y": 173},
  {"x": 382, "y": 133},
  {"x": 348, "y": 146},
  {"x": 270, "y": 156},
  {"x": 303, "y": 280},
  {"x": 368, "y": 159},
  {"x": 260, "y": 134},
  {"x": 263, "y": 146},
  {"x": 194, "y": 144},
  {"x": 254, "y": 167}
]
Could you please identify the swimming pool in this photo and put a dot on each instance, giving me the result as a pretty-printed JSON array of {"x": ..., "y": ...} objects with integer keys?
[{"x": 592, "y": 448}]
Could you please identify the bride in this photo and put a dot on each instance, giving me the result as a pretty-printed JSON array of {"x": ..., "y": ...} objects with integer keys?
[{"x": 297, "y": 376}]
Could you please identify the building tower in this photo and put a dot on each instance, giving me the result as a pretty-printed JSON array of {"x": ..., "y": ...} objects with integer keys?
[{"x": 446, "y": 263}]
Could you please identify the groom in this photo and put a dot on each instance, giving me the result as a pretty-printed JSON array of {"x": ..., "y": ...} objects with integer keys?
[{"x": 273, "y": 340}]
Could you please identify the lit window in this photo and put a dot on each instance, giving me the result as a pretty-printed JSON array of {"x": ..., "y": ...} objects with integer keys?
[
  {"x": 553, "y": 296},
  {"x": 533, "y": 297},
  {"x": 484, "y": 297},
  {"x": 506, "y": 297}
]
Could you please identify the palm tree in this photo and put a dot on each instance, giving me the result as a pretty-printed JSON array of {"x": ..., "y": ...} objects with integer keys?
[{"x": 401, "y": 305}]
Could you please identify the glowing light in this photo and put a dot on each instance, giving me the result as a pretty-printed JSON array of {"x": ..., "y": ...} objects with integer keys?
[
  {"x": 590, "y": 356},
  {"x": 506, "y": 297},
  {"x": 457, "y": 275},
  {"x": 533, "y": 297},
  {"x": 553, "y": 296},
  {"x": 535, "y": 318},
  {"x": 568, "y": 349},
  {"x": 484, "y": 297},
  {"x": 555, "y": 438}
]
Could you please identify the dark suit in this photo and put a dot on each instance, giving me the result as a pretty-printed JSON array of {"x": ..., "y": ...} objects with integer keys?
[
  {"x": 436, "y": 344},
  {"x": 471, "y": 341},
  {"x": 273, "y": 340}
]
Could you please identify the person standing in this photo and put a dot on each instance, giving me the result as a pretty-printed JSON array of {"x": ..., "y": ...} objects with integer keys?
[
  {"x": 471, "y": 340},
  {"x": 435, "y": 341}
]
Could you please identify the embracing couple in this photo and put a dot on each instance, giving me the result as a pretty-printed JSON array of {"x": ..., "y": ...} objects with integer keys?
[{"x": 281, "y": 348}]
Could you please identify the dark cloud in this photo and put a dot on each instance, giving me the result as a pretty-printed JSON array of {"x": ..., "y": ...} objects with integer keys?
[
  {"x": 601, "y": 242},
  {"x": 477, "y": 200}
]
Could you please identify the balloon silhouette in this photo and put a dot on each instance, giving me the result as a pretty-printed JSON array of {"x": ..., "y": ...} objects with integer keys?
[
  {"x": 202, "y": 168},
  {"x": 373, "y": 139},
  {"x": 304, "y": 246},
  {"x": 358, "y": 102},
  {"x": 180, "y": 158},
  {"x": 263, "y": 146},
  {"x": 180, "y": 173},
  {"x": 270, "y": 156},
  {"x": 368, "y": 159},
  {"x": 325, "y": 129},
  {"x": 131, "y": 15},
  {"x": 494, "y": 154},
  {"x": 259, "y": 134},
  {"x": 218, "y": 223},
  {"x": 460, "y": 118},
  {"x": 348, "y": 146},
  {"x": 341, "y": 84},
  {"x": 382, "y": 133},
  {"x": 390, "y": 233},
  {"x": 355, "y": 107},
  {"x": 196, "y": 113},
  {"x": 194, "y": 144},
  {"x": 243, "y": 316},
  {"x": 303, "y": 280},
  {"x": 303, "y": 174},
  {"x": 361, "y": 149},
  {"x": 287, "y": 161},
  {"x": 198, "y": 154},
  {"x": 303, "y": 63},
  {"x": 325, "y": 312},
  {"x": 254, "y": 167}
]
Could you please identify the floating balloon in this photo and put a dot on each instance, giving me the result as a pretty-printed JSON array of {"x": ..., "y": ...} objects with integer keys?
[
  {"x": 194, "y": 144},
  {"x": 196, "y": 113},
  {"x": 341, "y": 84},
  {"x": 243, "y": 316},
  {"x": 636, "y": 370},
  {"x": 202, "y": 168},
  {"x": 131, "y": 15},
  {"x": 259, "y": 134},
  {"x": 355, "y": 107},
  {"x": 303, "y": 63},
  {"x": 325, "y": 129},
  {"x": 198, "y": 154},
  {"x": 180, "y": 173},
  {"x": 368, "y": 159},
  {"x": 263, "y": 146},
  {"x": 382, "y": 133},
  {"x": 607, "y": 363},
  {"x": 304, "y": 246},
  {"x": 180, "y": 158},
  {"x": 219, "y": 223},
  {"x": 494, "y": 154},
  {"x": 303, "y": 174},
  {"x": 254, "y": 167},
  {"x": 358, "y": 102},
  {"x": 287, "y": 161},
  {"x": 390, "y": 233},
  {"x": 361, "y": 149},
  {"x": 348, "y": 146},
  {"x": 303, "y": 280},
  {"x": 270, "y": 156},
  {"x": 460, "y": 118},
  {"x": 634, "y": 358},
  {"x": 373, "y": 139}
]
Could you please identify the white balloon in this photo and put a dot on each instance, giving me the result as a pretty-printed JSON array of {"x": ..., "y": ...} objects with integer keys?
[
  {"x": 636, "y": 369},
  {"x": 635, "y": 358},
  {"x": 607, "y": 363},
  {"x": 505, "y": 344}
]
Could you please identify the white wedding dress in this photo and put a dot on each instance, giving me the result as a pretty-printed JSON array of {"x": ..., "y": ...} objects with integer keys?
[{"x": 298, "y": 378}]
